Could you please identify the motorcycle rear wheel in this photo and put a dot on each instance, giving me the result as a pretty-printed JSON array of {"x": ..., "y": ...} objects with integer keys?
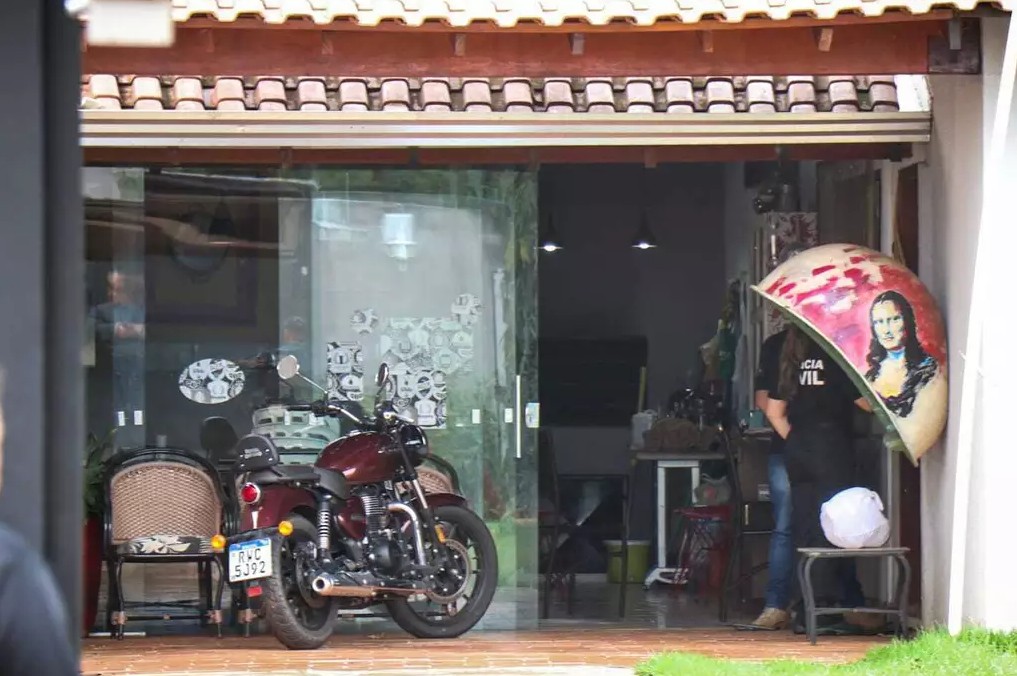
[
  {"x": 420, "y": 619},
  {"x": 300, "y": 618}
]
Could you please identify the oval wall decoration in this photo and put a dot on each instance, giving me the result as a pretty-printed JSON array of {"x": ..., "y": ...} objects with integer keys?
[{"x": 211, "y": 381}]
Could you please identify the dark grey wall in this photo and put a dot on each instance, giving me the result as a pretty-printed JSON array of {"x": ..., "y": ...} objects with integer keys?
[{"x": 599, "y": 286}]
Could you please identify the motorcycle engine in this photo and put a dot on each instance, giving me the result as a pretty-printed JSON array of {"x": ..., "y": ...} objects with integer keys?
[{"x": 385, "y": 549}]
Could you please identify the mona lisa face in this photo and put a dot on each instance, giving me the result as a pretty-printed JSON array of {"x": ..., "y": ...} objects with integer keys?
[{"x": 888, "y": 325}]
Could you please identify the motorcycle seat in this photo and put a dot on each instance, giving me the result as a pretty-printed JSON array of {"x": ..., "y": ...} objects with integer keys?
[{"x": 334, "y": 482}]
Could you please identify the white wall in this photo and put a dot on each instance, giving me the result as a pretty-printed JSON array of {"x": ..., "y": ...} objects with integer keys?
[{"x": 951, "y": 191}]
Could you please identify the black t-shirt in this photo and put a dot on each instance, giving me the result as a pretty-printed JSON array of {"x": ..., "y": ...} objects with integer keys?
[
  {"x": 32, "y": 617},
  {"x": 768, "y": 375},
  {"x": 825, "y": 394}
]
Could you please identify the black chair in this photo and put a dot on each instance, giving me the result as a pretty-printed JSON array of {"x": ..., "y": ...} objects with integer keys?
[
  {"x": 552, "y": 526},
  {"x": 751, "y": 519},
  {"x": 219, "y": 440},
  {"x": 558, "y": 534},
  {"x": 164, "y": 505}
]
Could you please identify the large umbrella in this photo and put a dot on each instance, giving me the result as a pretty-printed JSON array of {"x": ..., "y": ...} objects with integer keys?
[{"x": 881, "y": 324}]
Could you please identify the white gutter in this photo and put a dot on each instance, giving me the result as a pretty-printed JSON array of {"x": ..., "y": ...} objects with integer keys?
[
  {"x": 994, "y": 217},
  {"x": 334, "y": 130}
]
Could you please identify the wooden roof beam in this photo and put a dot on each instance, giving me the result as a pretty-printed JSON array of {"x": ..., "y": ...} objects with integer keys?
[{"x": 874, "y": 49}]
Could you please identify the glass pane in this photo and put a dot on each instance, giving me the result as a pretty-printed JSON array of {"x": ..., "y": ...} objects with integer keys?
[
  {"x": 116, "y": 321},
  {"x": 420, "y": 270},
  {"x": 433, "y": 272}
]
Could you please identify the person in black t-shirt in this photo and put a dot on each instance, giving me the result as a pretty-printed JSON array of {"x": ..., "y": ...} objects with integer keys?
[
  {"x": 780, "y": 569},
  {"x": 810, "y": 408}
]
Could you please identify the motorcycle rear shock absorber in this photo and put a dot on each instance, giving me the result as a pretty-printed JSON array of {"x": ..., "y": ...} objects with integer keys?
[{"x": 325, "y": 529}]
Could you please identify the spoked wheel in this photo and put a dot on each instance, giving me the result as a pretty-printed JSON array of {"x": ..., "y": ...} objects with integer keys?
[
  {"x": 300, "y": 618},
  {"x": 462, "y": 591}
]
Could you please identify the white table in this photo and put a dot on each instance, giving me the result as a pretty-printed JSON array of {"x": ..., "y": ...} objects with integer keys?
[{"x": 664, "y": 462}]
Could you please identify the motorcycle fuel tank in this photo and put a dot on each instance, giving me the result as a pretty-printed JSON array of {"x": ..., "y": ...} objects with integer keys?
[
  {"x": 880, "y": 323},
  {"x": 362, "y": 458}
]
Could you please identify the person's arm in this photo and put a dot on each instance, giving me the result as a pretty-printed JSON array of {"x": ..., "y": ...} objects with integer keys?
[
  {"x": 766, "y": 374},
  {"x": 103, "y": 324},
  {"x": 33, "y": 622},
  {"x": 776, "y": 413}
]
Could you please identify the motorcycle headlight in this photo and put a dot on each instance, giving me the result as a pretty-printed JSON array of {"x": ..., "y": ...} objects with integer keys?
[{"x": 414, "y": 441}]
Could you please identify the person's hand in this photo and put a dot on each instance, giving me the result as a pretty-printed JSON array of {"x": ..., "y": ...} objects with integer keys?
[{"x": 125, "y": 330}]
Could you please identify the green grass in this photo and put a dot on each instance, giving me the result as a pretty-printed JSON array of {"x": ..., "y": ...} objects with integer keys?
[{"x": 935, "y": 653}]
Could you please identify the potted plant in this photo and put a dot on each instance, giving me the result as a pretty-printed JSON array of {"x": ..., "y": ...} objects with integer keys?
[{"x": 96, "y": 454}]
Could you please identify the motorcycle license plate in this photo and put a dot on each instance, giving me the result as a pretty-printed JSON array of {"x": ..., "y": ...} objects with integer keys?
[{"x": 250, "y": 560}]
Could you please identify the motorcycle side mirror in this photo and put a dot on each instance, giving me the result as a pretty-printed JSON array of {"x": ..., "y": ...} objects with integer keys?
[
  {"x": 383, "y": 375},
  {"x": 288, "y": 367}
]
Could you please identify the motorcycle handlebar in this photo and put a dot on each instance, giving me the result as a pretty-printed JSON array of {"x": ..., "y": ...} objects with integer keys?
[{"x": 326, "y": 408}]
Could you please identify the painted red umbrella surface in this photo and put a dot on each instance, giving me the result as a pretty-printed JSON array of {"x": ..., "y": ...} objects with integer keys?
[{"x": 882, "y": 325}]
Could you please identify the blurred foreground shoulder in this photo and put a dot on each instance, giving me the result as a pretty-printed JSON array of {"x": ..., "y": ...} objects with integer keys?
[{"x": 33, "y": 621}]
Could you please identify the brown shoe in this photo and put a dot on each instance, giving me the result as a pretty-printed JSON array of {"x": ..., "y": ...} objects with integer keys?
[{"x": 772, "y": 619}]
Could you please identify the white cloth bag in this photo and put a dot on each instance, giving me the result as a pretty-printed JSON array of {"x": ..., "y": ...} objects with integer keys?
[{"x": 854, "y": 519}]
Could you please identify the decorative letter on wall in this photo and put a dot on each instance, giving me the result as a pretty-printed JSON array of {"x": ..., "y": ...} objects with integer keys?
[{"x": 422, "y": 352}]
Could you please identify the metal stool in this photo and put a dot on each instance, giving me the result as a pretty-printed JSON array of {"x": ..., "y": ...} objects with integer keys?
[{"x": 809, "y": 556}]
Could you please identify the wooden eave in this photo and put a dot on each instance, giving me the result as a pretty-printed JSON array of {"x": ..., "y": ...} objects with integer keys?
[{"x": 890, "y": 43}]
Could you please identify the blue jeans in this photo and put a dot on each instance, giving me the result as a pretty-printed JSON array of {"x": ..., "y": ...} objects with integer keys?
[{"x": 782, "y": 554}]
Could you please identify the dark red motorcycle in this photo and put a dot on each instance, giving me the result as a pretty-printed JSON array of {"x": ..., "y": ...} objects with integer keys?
[{"x": 356, "y": 529}]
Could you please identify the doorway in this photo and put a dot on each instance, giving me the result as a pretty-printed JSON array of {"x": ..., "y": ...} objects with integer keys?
[{"x": 626, "y": 328}]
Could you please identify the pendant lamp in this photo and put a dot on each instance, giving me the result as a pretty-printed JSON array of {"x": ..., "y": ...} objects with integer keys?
[
  {"x": 644, "y": 238},
  {"x": 550, "y": 242}
]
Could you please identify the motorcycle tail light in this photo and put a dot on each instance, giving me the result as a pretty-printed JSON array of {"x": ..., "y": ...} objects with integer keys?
[{"x": 250, "y": 493}]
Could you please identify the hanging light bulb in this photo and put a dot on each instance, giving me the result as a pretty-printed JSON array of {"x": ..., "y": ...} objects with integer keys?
[
  {"x": 644, "y": 238},
  {"x": 551, "y": 242}
]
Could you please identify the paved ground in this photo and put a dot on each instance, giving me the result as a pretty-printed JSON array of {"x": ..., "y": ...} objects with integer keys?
[{"x": 550, "y": 652}]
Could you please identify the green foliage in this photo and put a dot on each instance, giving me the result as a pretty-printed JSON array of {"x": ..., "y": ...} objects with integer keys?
[
  {"x": 975, "y": 652},
  {"x": 97, "y": 452}
]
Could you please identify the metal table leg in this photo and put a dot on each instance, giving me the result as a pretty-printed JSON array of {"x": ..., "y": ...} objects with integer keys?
[{"x": 662, "y": 573}]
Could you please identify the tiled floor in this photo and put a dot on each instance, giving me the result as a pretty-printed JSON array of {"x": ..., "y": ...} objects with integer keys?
[
  {"x": 545, "y": 652},
  {"x": 592, "y": 642}
]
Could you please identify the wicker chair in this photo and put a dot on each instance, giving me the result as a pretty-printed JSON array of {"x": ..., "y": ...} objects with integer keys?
[
  {"x": 437, "y": 475},
  {"x": 163, "y": 506}
]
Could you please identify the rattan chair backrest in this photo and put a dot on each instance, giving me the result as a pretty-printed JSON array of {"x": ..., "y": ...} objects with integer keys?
[{"x": 163, "y": 498}]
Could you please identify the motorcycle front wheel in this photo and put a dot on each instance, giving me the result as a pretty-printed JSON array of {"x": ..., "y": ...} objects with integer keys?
[
  {"x": 463, "y": 591},
  {"x": 299, "y": 617}
]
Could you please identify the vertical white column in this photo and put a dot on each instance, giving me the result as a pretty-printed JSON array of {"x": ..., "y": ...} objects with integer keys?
[{"x": 988, "y": 254}]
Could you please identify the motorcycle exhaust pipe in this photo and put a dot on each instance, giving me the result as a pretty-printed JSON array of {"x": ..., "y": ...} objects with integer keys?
[
  {"x": 418, "y": 537},
  {"x": 325, "y": 584}
]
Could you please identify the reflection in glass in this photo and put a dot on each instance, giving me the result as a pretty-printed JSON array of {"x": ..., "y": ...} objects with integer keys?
[{"x": 223, "y": 272}]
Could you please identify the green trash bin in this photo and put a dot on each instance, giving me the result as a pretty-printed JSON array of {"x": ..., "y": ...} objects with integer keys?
[{"x": 639, "y": 556}]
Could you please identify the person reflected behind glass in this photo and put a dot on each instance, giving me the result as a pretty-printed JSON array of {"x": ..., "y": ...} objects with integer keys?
[
  {"x": 33, "y": 621},
  {"x": 120, "y": 330}
]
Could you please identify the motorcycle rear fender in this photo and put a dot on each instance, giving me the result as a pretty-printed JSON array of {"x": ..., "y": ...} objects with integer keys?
[{"x": 278, "y": 502}]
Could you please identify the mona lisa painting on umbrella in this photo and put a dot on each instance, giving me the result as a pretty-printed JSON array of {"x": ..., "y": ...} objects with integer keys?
[{"x": 881, "y": 323}]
